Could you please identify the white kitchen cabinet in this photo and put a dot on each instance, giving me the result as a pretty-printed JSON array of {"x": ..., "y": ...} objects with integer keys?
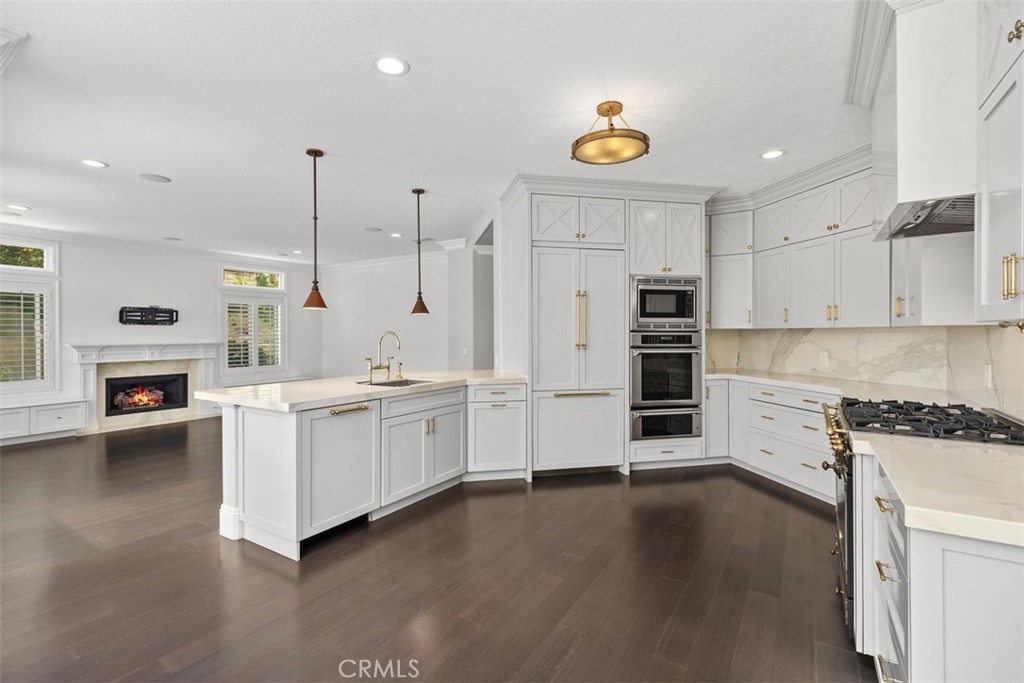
[
  {"x": 578, "y": 429},
  {"x": 731, "y": 292},
  {"x": 579, "y": 319},
  {"x": 771, "y": 288},
  {"x": 340, "y": 462},
  {"x": 447, "y": 444},
  {"x": 812, "y": 213},
  {"x": 14, "y": 422},
  {"x": 999, "y": 234},
  {"x": 497, "y": 436},
  {"x": 738, "y": 411},
  {"x": 932, "y": 280},
  {"x": 771, "y": 225},
  {"x": 997, "y": 21},
  {"x": 811, "y": 285},
  {"x": 861, "y": 290},
  {"x": 732, "y": 233},
  {"x": 582, "y": 220},
  {"x": 421, "y": 449},
  {"x": 716, "y": 418},
  {"x": 666, "y": 238}
]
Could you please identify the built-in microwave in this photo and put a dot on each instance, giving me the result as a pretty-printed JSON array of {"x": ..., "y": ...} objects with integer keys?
[{"x": 665, "y": 303}]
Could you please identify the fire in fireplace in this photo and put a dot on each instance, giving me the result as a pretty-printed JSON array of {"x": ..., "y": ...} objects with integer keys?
[{"x": 129, "y": 395}]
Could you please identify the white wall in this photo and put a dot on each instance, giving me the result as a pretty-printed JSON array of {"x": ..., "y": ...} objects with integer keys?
[
  {"x": 483, "y": 308},
  {"x": 461, "y": 295},
  {"x": 97, "y": 278},
  {"x": 366, "y": 298}
]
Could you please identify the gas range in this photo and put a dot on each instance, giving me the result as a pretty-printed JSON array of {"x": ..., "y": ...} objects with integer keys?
[{"x": 921, "y": 419}]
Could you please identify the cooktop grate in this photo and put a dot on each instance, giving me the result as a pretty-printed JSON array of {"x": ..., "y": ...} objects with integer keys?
[{"x": 922, "y": 419}]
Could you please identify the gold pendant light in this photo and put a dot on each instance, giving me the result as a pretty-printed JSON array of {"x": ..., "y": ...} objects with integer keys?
[
  {"x": 419, "y": 307},
  {"x": 611, "y": 145},
  {"x": 314, "y": 301}
]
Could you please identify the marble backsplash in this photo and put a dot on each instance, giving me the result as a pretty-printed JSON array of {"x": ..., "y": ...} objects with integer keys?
[{"x": 952, "y": 358}]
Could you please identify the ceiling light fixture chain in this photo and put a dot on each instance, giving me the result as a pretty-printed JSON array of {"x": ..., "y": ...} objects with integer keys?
[
  {"x": 315, "y": 300},
  {"x": 420, "y": 306}
]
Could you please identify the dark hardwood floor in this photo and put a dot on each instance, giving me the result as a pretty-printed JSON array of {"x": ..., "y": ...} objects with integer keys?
[{"x": 112, "y": 569}]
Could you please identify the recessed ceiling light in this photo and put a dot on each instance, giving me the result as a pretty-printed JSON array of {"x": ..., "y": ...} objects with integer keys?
[
  {"x": 296, "y": 251},
  {"x": 19, "y": 207},
  {"x": 154, "y": 178},
  {"x": 372, "y": 229},
  {"x": 396, "y": 234},
  {"x": 171, "y": 239},
  {"x": 95, "y": 164},
  {"x": 282, "y": 254},
  {"x": 393, "y": 66},
  {"x": 773, "y": 154}
]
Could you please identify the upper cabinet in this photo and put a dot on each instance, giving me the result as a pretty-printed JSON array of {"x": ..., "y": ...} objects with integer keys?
[
  {"x": 732, "y": 233},
  {"x": 999, "y": 230},
  {"x": 1000, "y": 42},
  {"x": 771, "y": 225},
  {"x": 665, "y": 237},
  {"x": 589, "y": 221}
]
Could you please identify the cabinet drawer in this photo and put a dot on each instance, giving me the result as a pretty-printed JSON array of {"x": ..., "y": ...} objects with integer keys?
[
  {"x": 411, "y": 403},
  {"x": 14, "y": 422},
  {"x": 669, "y": 450},
  {"x": 794, "y": 398},
  {"x": 793, "y": 462},
  {"x": 800, "y": 425},
  {"x": 497, "y": 392},
  {"x": 57, "y": 418}
]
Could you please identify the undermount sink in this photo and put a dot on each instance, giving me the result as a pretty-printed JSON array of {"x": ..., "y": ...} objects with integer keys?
[{"x": 396, "y": 382}]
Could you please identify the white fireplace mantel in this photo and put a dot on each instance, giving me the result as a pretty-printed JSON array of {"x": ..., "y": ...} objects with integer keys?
[{"x": 88, "y": 356}]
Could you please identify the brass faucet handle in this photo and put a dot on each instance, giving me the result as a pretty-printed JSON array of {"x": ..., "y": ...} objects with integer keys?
[{"x": 398, "y": 375}]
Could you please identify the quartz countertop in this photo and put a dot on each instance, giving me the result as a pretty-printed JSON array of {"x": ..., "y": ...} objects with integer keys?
[{"x": 289, "y": 397}]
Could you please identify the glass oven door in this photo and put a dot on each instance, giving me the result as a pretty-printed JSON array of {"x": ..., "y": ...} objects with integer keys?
[
  {"x": 668, "y": 423},
  {"x": 663, "y": 377}
]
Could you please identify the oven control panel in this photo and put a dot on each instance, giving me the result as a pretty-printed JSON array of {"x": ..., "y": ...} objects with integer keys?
[{"x": 640, "y": 339}]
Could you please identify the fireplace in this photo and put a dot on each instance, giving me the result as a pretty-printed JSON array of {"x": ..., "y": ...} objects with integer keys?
[{"x": 142, "y": 394}]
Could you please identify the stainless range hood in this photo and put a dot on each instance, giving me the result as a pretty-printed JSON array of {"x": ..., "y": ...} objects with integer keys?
[{"x": 929, "y": 217}]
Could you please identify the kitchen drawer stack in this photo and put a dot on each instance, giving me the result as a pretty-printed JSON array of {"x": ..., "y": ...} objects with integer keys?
[
  {"x": 891, "y": 590},
  {"x": 787, "y": 437},
  {"x": 497, "y": 430},
  {"x": 22, "y": 423}
]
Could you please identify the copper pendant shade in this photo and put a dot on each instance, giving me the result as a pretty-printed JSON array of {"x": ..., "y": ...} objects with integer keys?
[
  {"x": 611, "y": 145},
  {"x": 420, "y": 306},
  {"x": 315, "y": 300}
]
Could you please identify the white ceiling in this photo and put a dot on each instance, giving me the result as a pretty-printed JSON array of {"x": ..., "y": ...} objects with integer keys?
[{"x": 224, "y": 98}]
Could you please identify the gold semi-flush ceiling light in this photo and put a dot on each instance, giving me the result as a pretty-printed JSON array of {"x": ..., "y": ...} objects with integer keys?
[
  {"x": 314, "y": 301},
  {"x": 611, "y": 145},
  {"x": 420, "y": 306}
]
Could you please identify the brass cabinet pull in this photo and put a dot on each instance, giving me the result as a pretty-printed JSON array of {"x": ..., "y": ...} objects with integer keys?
[
  {"x": 577, "y": 235},
  {"x": 426, "y": 426},
  {"x": 785, "y": 238},
  {"x": 810, "y": 400},
  {"x": 583, "y": 325},
  {"x": 766, "y": 452},
  {"x": 1017, "y": 32},
  {"x": 886, "y": 678},
  {"x": 882, "y": 576},
  {"x": 785, "y": 315},
  {"x": 578, "y": 309},
  {"x": 767, "y": 393},
  {"x": 567, "y": 394},
  {"x": 828, "y": 312},
  {"x": 881, "y": 503},
  {"x": 899, "y": 307},
  {"x": 583, "y": 235},
  {"x": 835, "y": 312},
  {"x": 498, "y": 405},
  {"x": 1013, "y": 276},
  {"x": 767, "y": 417},
  {"x": 667, "y": 452},
  {"x": 810, "y": 467},
  {"x": 813, "y": 429},
  {"x": 1006, "y": 278},
  {"x": 498, "y": 393},
  {"x": 350, "y": 409},
  {"x": 749, "y": 247},
  {"x": 748, "y": 316}
]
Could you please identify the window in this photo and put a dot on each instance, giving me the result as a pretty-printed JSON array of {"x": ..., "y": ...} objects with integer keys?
[
  {"x": 26, "y": 309},
  {"x": 27, "y": 256},
  {"x": 233, "y": 277},
  {"x": 253, "y": 335}
]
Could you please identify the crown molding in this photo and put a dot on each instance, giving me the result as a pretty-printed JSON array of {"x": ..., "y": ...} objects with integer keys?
[
  {"x": 10, "y": 42},
  {"x": 843, "y": 165},
  {"x": 387, "y": 260},
  {"x": 901, "y": 6},
  {"x": 457, "y": 243},
  {"x": 872, "y": 24},
  {"x": 615, "y": 189},
  {"x": 730, "y": 204},
  {"x": 484, "y": 249}
]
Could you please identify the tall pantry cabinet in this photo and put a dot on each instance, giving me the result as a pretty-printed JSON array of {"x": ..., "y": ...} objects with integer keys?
[{"x": 562, "y": 265}]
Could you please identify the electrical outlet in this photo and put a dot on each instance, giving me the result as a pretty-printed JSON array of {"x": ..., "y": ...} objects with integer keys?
[
  {"x": 988, "y": 376},
  {"x": 823, "y": 359}
]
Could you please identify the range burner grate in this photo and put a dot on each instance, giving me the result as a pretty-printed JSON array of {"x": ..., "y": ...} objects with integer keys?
[{"x": 922, "y": 419}]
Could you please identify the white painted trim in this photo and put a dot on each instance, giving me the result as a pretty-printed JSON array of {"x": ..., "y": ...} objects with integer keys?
[
  {"x": 846, "y": 164},
  {"x": 484, "y": 249},
  {"x": 901, "y": 6},
  {"x": 731, "y": 204},
  {"x": 873, "y": 23},
  {"x": 10, "y": 42},
  {"x": 614, "y": 189},
  {"x": 448, "y": 245},
  {"x": 414, "y": 498},
  {"x": 494, "y": 475}
]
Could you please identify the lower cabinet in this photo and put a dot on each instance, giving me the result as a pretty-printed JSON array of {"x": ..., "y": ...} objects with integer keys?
[
  {"x": 340, "y": 463},
  {"x": 716, "y": 418},
  {"x": 738, "y": 432},
  {"x": 421, "y": 449},
  {"x": 578, "y": 429},
  {"x": 55, "y": 418},
  {"x": 497, "y": 436}
]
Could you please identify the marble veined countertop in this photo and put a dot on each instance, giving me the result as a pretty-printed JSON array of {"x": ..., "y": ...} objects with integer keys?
[
  {"x": 289, "y": 397},
  {"x": 953, "y": 487}
]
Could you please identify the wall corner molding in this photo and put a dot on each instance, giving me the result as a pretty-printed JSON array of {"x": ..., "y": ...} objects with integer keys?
[
  {"x": 730, "y": 204},
  {"x": 873, "y": 22},
  {"x": 853, "y": 161},
  {"x": 901, "y": 6}
]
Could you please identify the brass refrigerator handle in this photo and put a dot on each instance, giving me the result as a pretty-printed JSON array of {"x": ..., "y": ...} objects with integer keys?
[
  {"x": 577, "y": 318},
  {"x": 568, "y": 394},
  {"x": 351, "y": 409},
  {"x": 1013, "y": 275},
  {"x": 583, "y": 325},
  {"x": 1006, "y": 279}
]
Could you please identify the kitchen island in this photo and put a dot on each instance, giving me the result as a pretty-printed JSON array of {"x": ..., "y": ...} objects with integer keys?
[{"x": 302, "y": 457}]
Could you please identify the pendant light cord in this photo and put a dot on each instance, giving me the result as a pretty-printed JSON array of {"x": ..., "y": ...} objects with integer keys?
[
  {"x": 315, "y": 281},
  {"x": 419, "y": 263}
]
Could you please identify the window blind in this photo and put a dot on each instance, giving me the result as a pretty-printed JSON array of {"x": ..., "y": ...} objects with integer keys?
[
  {"x": 239, "y": 335},
  {"x": 253, "y": 335},
  {"x": 268, "y": 335},
  {"x": 22, "y": 336}
]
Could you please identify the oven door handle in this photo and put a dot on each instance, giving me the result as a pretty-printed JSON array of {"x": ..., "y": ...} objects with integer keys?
[
  {"x": 665, "y": 411},
  {"x": 662, "y": 349}
]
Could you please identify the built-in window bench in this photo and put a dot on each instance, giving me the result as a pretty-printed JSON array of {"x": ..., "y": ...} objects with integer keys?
[{"x": 37, "y": 419}]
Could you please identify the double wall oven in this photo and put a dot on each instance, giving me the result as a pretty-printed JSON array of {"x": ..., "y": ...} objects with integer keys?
[{"x": 666, "y": 363}]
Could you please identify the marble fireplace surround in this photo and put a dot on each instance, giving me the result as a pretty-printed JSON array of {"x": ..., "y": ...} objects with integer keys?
[{"x": 199, "y": 359}]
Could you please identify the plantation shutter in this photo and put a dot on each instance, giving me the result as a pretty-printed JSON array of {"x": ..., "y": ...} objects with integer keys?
[
  {"x": 22, "y": 336},
  {"x": 268, "y": 335},
  {"x": 240, "y": 339}
]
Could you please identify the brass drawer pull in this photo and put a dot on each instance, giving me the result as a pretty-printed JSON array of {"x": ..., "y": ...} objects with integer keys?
[
  {"x": 767, "y": 417},
  {"x": 498, "y": 405},
  {"x": 566, "y": 394},
  {"x": 767, "y": 393},
  {"x": 810, "y": 467},
  {"x": 881, "y": 503},
  {"x": 1017, "y": 32},
  {"x": 882, "y": 576},
  {"x": 668, "y": 452},
  {"x": 886, "y": 678},
  {"x": 810, "y": 400},
  {"x": 498, "y": 393},
  {"x": 351, "y": 409},
  {"x": 813, "y": 429},
  {"x": 766, "y": 452}
]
